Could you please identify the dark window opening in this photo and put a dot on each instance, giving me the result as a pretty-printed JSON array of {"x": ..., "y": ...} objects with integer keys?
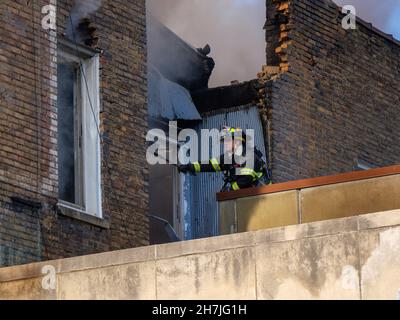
[{"x": 69, "y": 105}]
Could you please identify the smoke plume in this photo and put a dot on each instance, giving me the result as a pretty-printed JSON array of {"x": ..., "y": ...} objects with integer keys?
[
  {"x": 234, "y": 29},
  {"x": 80, "y": 10}
]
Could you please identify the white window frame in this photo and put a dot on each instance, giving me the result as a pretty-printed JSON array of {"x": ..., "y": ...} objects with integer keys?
[{"x": 89, "y": 106}]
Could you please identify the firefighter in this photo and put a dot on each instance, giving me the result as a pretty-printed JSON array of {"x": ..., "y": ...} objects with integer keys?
[{"x": 237, "y": 176}]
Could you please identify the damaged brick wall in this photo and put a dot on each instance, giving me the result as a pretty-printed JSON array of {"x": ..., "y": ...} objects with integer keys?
[
  {"x": 337, "y": 98},
  {"x": 35, "y": 229}
]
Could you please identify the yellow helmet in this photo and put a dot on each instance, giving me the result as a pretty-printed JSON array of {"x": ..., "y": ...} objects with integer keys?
[{"x": 234, "y": 133}]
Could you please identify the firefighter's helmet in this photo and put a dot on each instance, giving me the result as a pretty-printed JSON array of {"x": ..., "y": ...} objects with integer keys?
[{"x": 234, "y": 133}]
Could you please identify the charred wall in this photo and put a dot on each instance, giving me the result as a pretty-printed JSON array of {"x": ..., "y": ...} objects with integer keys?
[
  {"x": 336, "y": 100},
  {"x": 28, "y": 126}
]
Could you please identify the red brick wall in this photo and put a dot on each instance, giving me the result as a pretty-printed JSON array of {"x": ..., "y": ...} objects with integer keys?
[
  {"x": 28, "y": 130},
  {"x": 337, "y": 99}
]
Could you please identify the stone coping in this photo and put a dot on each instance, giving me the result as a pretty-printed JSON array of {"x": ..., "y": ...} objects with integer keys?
[{"x": 193, "y": 247}]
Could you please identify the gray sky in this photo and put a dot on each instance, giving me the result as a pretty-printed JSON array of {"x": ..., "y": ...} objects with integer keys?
[{"x": 234, "y": 29}]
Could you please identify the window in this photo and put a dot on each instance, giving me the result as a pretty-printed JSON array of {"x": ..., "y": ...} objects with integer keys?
[
  {"x": 166, "y": 196},
  {"x": 78, "y": 139}
]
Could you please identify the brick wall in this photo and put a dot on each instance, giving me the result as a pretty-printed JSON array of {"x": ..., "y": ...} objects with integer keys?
[
  {"x": 337, "y": 98},
  {"x": 28, "y": 126}
]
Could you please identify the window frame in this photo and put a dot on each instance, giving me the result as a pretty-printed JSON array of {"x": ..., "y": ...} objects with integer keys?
[{"x": 88, "y": 186}]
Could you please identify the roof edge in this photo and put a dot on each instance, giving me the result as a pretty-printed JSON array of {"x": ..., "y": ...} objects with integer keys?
[{"x": 370, "y": 26}]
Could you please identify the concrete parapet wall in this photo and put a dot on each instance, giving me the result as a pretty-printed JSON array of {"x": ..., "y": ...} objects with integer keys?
[
  {"x": 306, "y": 201},
  {"x": 348, "y": 258}
]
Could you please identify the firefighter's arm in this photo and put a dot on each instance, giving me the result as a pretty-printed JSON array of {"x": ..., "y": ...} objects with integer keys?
[
  {"x": 262, "y": 165},
  {"x": 214, "y": 165}
]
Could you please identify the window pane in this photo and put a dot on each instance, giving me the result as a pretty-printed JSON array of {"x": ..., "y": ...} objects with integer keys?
[
  {"x": 67, "y": 75},
  {"x": 78, "y": 141}
]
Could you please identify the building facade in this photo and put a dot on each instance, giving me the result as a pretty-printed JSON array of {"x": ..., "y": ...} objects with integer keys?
[
  {"x": 74, "y": 114},
  {"x": 73, "y": 120},
  {"x": 335, "y": 105}
]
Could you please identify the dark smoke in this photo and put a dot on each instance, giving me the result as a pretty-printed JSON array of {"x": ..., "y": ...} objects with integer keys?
[
  {"x": 233, "y": 28},
  {"x": 175, "y": 59},
  {"x": 80, "y": 10}
]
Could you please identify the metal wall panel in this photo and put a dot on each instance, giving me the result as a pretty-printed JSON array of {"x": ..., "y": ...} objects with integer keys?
[{"x": 201, "y": 214}]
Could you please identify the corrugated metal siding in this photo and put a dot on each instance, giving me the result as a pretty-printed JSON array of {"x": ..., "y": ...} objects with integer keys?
[{"x": 200, "y": 191}]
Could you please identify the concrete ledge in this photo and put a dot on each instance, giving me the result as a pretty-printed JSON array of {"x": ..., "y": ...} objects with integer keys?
[
  {"x": 340, "y": 197},
  {"x": 101, "y": 260},
  {"x": 267, "y": 211},
  {"x": 70, "y": 212},
  {"x": 350, "y": 199},
  {"x": 309, "y": 230},
  {"x": 206, "y": 245},
  {"x": 310, "y": 183},
  {"x": 318, "y": 260},
  {"x": 379, "y": 220}
]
